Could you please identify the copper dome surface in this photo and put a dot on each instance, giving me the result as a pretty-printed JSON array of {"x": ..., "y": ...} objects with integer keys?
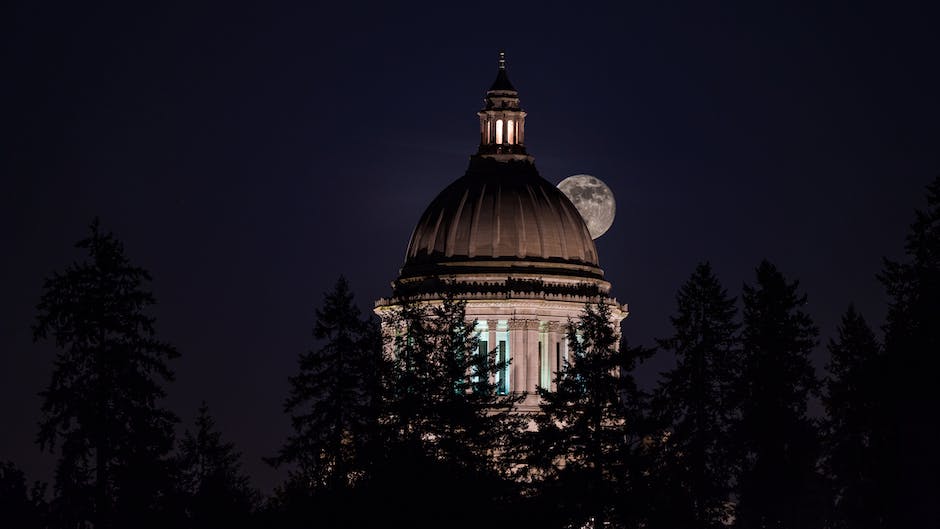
[{"x": 500, "y": 211}]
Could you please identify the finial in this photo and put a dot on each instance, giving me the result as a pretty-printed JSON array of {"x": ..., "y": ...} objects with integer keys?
[{"x": 502, "y": 60}]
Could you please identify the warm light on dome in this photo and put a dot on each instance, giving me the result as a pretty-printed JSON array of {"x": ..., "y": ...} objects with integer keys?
[{"x": 514, "y": 247}]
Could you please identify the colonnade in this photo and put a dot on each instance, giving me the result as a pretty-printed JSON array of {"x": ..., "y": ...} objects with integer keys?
[{"x": 537, "y": 350}]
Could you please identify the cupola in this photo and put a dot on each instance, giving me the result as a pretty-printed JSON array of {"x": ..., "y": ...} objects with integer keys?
[{"x": 502, "y": 121}]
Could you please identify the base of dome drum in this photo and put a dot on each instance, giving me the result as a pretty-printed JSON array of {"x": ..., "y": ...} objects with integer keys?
[{"x": 529, "y": 331}]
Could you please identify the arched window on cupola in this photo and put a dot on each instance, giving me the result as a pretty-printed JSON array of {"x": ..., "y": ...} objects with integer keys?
[
  {"x": 499, "y": 132},
  {"x": 510, "y": 133}
]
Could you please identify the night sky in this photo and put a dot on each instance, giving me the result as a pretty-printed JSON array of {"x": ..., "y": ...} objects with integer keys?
[{"x": 249, "y": 156}]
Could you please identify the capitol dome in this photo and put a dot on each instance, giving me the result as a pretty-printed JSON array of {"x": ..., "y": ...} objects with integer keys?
[
  {"x": 513, "y": 247},
  {"x": 501, "y": 214}
]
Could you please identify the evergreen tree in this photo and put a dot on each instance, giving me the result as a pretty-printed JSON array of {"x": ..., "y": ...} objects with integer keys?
[
  {"x": 101, "y": 408},
  {"x": 588, "y": 449},
  {"x": 446, "y": 428},
  {"x": 778, "y": 485},
  {"x": 693, "y": 403},
  {"x": 908, "y": 429},
  {"x": 852, "y": 399},
  {"x": 217, "y": 493},
  {"x": 20, "y": 507},
  {"x": 332, "y": 400},
  {"x": 441, "y": 390}
]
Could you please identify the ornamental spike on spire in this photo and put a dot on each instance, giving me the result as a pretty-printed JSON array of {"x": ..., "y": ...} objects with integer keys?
[
  {"x": 502, "y": 121},
  {"x": 502, "y": 84}
]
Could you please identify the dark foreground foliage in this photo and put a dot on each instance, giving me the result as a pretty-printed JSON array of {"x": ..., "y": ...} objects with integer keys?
[{"x": 410, "y": 429}]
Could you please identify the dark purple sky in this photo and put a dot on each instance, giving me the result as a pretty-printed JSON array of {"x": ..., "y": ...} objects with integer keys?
[{"x": 248, "y": 156}]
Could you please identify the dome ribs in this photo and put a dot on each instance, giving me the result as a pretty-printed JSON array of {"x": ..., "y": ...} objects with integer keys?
[
  {"x": 472, "y": 238},
  {"x": 578, "y": 224},
  {"x": 435, "y": 234},
  {"x": 542, "y": 250},
  {"x": 480, "y": 238},
  {"x": 497, "y": 235},
  {"x": 563, "y": 226},
  {"x": 456, "y": 221},
  {"x": 506, "y": 239},
  {"x": 500, "y": 212},
  {"x": 521, "y": 247}
]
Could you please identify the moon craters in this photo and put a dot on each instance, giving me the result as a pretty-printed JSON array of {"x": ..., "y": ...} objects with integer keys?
[{"x": 593, "y": 199}]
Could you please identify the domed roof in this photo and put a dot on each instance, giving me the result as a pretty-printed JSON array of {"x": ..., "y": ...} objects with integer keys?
[{"x": 501, "y": 211}]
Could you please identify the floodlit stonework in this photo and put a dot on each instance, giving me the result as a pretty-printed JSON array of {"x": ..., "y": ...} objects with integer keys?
[{"x": 513, "y": 246}]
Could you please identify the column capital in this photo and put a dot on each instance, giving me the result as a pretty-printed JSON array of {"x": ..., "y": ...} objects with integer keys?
[{"x": 518, "y": 325}]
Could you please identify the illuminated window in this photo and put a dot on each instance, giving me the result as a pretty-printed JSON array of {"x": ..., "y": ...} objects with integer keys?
[
  {"x": 510, "y": 134},
  {"x": 502, "y": 357},
  {"x": 502, "y": 380},
  {"x": 499, "y": 132},
  {"x": 482, "y": 349}
]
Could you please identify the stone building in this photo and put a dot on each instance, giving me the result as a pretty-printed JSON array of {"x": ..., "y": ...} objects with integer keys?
[{"x": 513, "y": 246}]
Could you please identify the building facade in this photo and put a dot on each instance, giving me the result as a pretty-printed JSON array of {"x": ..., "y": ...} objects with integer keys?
[{"x": 513, "y": 246}]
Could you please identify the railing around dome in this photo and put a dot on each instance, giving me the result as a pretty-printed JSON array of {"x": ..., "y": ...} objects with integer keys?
[
  {"x": 500, "y": 288},
  {"x": 518, "y": 289}
]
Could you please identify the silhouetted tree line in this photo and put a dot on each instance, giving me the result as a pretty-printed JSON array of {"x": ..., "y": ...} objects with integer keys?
[{"x": 409, "y": 429}]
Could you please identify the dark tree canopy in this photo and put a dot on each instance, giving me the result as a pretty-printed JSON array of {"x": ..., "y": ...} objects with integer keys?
[
  {"x": 414, "y": 428},
  {"x": 694, "y": 406},
  {"x": 440, "y": 390},
  {"x": 215, "y": 490},
  {"x": 912, "y": 339},
  {"x": 776, "y": 442},
  {"x": 852, "y": 399},
  {"x": 445, "y": 430},
  {"x": 101, "y": 409},
  {"x": 587, "y": 450},
  {"x": 333, "y": 398},
  {"x": 21, "y": 506}
]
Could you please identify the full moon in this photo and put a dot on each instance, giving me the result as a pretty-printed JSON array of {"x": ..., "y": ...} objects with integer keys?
[{"x": 594, "y": 200}]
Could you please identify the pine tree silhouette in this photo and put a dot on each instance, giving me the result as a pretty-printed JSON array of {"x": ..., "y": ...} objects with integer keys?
[
  {"x": 777, "y": 443},
  {"x": 216, "y": 491},
  {"x": 20, "y": 507},
  {"x": 446, "y": 428},
  {"x": 101, "y": 409},
  {"x": 852, "y": 401},
  {"x": 693, "y": 402},
  {"x": 911, "y": 393},
  {"x": 333, "y": 398},
  {"x": 587, "y": 452}
]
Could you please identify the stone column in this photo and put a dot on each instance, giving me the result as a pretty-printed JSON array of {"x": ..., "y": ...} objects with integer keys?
[
  {"x": 491, "y": 339},
  {"x": 517, "y": 353},
  {"x": 553, "y": 340},
  {"x": 532, "y": 357}
]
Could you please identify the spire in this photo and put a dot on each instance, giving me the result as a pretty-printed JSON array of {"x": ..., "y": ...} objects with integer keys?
[
  {"x": 502, "y": 121},
  {"x": 502, "y": 83}
]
